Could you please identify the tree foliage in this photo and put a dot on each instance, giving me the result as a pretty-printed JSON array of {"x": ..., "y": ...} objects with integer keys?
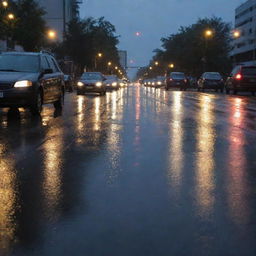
[
  {"x": 86, "y": 38},
  {"x": 27, "y": 28},
  {"x": 192, "y": 52}
]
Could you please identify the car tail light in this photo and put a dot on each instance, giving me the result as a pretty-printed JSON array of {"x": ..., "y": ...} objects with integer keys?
[
  {"x": 170, "y": 79},
  {"x": 185, "y": 80},
  {"x": 238, "y": 77}
]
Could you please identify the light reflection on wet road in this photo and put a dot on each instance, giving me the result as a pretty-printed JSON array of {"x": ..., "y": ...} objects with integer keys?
[{"x": 137, "y": 172}]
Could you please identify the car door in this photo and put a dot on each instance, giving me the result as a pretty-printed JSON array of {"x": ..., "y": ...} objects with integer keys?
[
  {"x": 56, "y": 80},
  {"x": 46, "y": 79}
]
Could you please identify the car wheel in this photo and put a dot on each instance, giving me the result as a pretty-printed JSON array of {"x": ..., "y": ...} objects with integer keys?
[
  {"x": 166, "y": 88},
  {"x": 60, "y": 102},
  {"x": 36, "y": 108}
]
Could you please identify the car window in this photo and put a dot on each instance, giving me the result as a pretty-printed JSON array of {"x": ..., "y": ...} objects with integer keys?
[
  {"x": 212, "y": 76},
  {"x": 250, "y": 71},
  {"x": 178, "y": 76},
  {"x": 91, "y": 76},
  {"x": 19, "y": 63},
  {"x": 44, "y": 63},
  {"x": 52, "y": 65}
]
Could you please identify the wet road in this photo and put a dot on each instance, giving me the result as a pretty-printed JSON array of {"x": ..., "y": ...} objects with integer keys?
[{"x": 136, "y": 172}]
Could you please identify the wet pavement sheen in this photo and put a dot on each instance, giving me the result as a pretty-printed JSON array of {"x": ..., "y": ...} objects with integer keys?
[{"x": 136, "y": 172}]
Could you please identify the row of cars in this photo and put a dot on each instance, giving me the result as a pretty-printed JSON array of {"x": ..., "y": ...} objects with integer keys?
[
  {"x": 242, "y": 78},
  {"x": 30, "y": 80},
  {"x": 98, "y": 83}
]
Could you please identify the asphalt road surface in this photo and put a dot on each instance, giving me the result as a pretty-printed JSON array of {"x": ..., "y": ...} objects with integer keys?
[{"x": 138, "y": 172}]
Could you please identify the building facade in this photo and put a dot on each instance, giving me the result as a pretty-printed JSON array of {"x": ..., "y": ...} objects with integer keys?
[
  {"x": 58, "y": 14},
  {"x": 123, "y": 59},
  {"x": 244, "y": 45}
]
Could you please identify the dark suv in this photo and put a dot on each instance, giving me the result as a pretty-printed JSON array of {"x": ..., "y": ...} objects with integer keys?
[
  {"x": 30, "y": 80},
  {"x": 242, "y": 78},
  {"x": 176, "y": 80}
]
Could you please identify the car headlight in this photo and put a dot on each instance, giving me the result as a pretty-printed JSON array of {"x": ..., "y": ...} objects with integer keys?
[
  {"x": 80, "y": 84},
  {"x": 122, "y": 84},
  {"x": 99, "y": 84},
  {"x": 114, "y": 84},
  {"x": 22, "y": 84},
  {"x": 159, "y": 83}
]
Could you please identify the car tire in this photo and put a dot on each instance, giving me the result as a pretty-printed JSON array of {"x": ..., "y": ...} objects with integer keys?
[
  {"x": 60, "y": 102},
  {"x": 36, "y": 108}
]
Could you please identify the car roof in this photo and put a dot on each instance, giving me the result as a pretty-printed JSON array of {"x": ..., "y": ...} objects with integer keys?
[
  {"x": 98, "y": 73},
  {"x": 21, "y": 53}
]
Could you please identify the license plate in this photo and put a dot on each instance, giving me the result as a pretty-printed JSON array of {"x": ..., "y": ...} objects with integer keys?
[
  {"x": 178, "y": 83},
  {"x": 89, "y": 87},
  {"x": 1, "y": 94}
]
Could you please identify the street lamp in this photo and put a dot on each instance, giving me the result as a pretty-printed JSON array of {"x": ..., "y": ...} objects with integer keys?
[
  {"x": 99, "y": 55},
  {"x": 11, "y": 16},
  {"x": 5, "y": 4},
  {"x": 109, "y": 63},
  {"x": 171, "y": 65},
  {"x": 236, "y": 34},
  {"x": 156, "y": 63},
  {"x": 52, "y": 34},
  {"x": 208, "y": 33},
  {"x": 116, "y": 68},
  {"x": 150, "y": 68}
]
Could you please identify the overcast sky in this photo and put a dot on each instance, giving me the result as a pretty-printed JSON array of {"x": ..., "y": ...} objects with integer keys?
[{"x": 154, "y": 19}]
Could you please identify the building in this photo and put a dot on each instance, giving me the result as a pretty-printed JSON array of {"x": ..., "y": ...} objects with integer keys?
[
  {"x": 123, "y": 59},
  {"x": 244, "y": 43},
  {"x": 58, "y": 14}
]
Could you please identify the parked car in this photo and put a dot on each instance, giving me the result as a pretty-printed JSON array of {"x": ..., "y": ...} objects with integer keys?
[
  {"x": 176, "y": 80},
  {"x": 242, "y": 78},
  {"x": 30, "y": 80},
  {"x": 68, "y": 83},
  {"x": 91, "y": 82},
  {"x": 112, "y": 82},
  {"x": 210, "y": 80}
]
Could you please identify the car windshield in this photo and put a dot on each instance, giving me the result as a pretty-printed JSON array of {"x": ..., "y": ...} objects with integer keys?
[
  {"x": 178, "y": 76},
  {"x": 91, "y": 76},
  {"x": 19, "y": 63},
  {"x": 249, "y": 71},
  {"x": 214, "y": 76}
]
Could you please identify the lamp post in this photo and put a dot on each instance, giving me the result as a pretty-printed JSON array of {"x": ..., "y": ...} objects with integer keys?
[
  {"x": 99, "y": 55},
  {"x": 208, "y": 34},
  {"x": 236, "y": 34}
]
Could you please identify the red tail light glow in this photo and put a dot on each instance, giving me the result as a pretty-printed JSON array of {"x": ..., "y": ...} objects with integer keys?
[{"x": 238, "y": 77}]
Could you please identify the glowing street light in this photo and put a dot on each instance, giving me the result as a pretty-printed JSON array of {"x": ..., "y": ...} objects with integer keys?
[
  {"x": 11, "y": 16},
  {"x": 116, "y": 68},
  {"x": 5, "y": 4},
  {"x": 109, "y": 63},
  {"x": 100, "y": 54},
  {"x": 236, "y": 34},
  {"x": 171, "y": 65},
  {"x": 156, "y": 63},
  {"x": 150, "y": 68},
  {"x": 52, "y": 34},
  {"x": 208, "y": 33}
]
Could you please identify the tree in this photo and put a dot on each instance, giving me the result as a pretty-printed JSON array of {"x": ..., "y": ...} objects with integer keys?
[
  {"x": 30, "y": 28},
  {"x": 192, "y": 52},
  {"x": 84, "y": 39}
]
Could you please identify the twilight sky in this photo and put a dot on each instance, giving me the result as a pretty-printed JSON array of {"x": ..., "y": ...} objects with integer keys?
[{"x": 154, "y": 19}]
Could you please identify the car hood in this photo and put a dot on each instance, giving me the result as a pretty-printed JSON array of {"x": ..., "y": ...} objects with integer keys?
[
  {"x": 90, "y": 81},
  {"x": 11, "y": 77}
]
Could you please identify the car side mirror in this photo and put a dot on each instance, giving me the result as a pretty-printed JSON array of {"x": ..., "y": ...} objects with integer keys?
[{"x": 48, "y": 71}]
